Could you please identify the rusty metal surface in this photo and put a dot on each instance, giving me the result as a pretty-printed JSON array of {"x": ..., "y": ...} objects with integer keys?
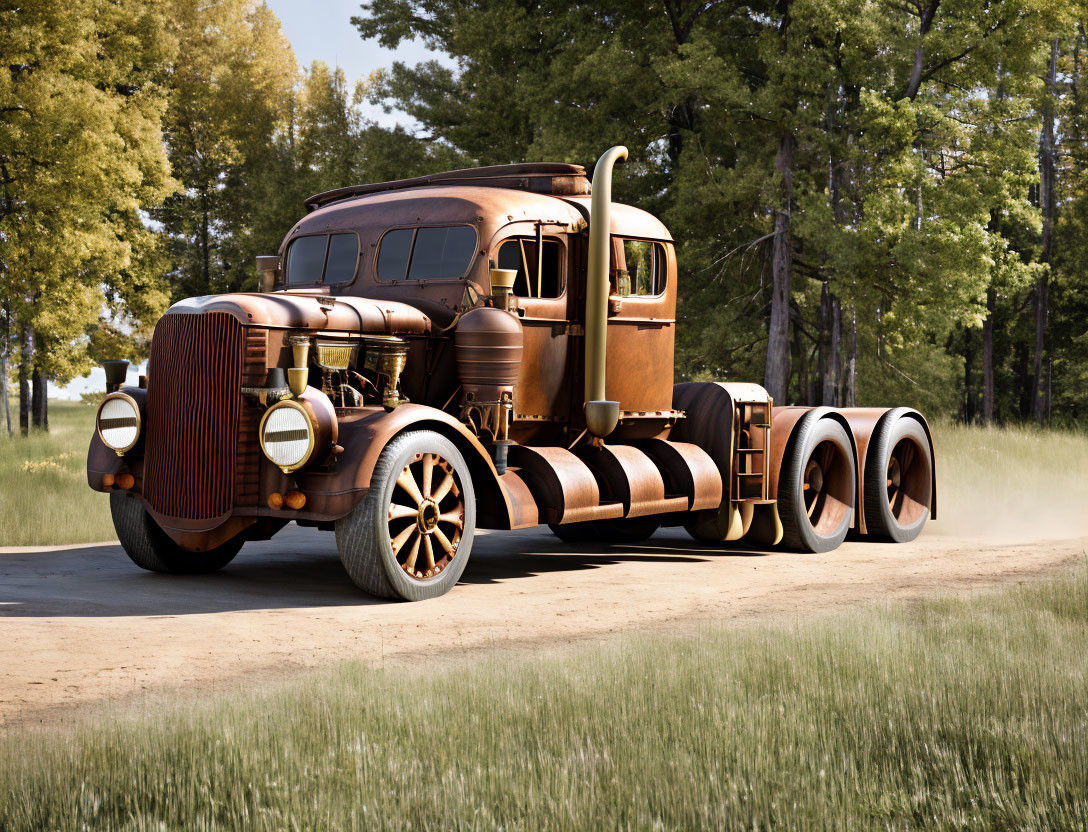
[
  {"x": 538, "y": 177},
  {"x": 523, "y": 510},
  {"x": 785, "y": 420},
  {"x": 708, "y": 422},
  {"x": 563, "y": 487},
  {"x": 489, "y": 346},
  {"x": 627, "y": 475},
  {"x": 489, "y": 210},
  {"x": 627, "y": 221},
  {"x": 301, "y": 310},
  {"x": 687, "y": 470}
]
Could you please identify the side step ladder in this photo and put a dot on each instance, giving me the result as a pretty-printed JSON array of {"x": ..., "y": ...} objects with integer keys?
[{"x": 751, "y": 454}]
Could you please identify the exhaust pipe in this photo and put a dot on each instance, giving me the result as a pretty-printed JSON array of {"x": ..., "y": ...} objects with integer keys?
[{"x": 602, "y": 415}]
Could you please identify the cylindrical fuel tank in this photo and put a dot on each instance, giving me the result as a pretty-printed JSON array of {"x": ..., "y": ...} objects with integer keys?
[{"x": 489, "y": 346}]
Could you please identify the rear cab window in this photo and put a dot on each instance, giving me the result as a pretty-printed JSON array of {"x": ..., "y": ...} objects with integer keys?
[
  {"x": 322, "y": 259},
  {"x": 427, "y": 253}
]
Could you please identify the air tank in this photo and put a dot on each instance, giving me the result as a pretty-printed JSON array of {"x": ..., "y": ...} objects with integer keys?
[
  {"x": 488, "y": 342},
  {"x": 489, "y": 345}
]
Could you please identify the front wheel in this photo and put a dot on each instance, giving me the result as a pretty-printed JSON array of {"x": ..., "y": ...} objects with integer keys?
[
  {"x": 411, "y": 535},
  {"x": 149, "y": 547}
]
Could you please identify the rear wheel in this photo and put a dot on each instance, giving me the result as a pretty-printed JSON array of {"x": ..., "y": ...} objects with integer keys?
[
  {"x": 411, "y": 535},
  {"x": 816, "y": 487},
  {"x": 149, "y": 547},
  {"x": 898, "y": 481}
]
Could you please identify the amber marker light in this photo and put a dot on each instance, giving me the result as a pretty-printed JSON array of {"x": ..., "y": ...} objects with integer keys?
[
  {"x": 275, "y": 501},
  {"x": 125, "y": 481},
  {"x": 294, "y": 500},
  {"x": 107, "y": 480}
]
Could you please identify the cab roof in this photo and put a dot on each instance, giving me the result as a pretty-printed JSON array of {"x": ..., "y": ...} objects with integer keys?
[{"x": 487, "y": 207}]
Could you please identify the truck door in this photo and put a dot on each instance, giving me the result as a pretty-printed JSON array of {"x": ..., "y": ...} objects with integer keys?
[
  {"x": 540, "y": 255},
  {"x": 641, "y": 326}
]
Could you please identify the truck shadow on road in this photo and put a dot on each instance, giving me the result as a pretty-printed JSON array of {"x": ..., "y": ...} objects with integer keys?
[{"x": 297, "y": 569}]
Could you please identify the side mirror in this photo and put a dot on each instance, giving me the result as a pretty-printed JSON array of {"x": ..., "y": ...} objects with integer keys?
[{"x": 268, "y": 270}]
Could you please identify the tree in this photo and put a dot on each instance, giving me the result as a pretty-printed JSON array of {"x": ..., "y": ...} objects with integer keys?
[
  {"x": 80, "y": 155},
  {"x": 230, "y": 94}
]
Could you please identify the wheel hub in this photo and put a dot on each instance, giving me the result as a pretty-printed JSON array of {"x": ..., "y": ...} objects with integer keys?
[{"x": 427, "y": 518}]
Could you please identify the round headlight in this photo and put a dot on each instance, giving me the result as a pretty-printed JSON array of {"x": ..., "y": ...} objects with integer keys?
[
  {"x": 287, "y": 435},
  {"x": 119, "y": 422}
]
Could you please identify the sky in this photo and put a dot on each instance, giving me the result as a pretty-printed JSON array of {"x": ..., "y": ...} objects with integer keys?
[{"x": 319, "y": 30}]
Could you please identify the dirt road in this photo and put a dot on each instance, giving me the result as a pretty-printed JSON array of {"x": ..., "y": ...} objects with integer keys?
[{"x": 82, "y": 624}]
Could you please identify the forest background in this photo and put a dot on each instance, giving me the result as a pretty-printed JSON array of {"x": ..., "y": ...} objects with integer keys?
[{"x": 874, "y": 202}]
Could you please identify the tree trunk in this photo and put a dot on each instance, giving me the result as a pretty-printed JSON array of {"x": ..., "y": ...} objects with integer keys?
[
  {"x": 41, "y": 400},
  {"x": 988, "y": 360},
  {"x": 968, "y": 389},
  {"x": 852, "y": 362},
  {"x": 925, "y": 21},
  {"x": 1023, "y": 379},
  {"x": 1046, "y": 205},
  {"x": 5, "y": 341},
  {"x": 26, "y": 360},
  {"x": 831, "y": 369},
  {"x": 205, "y": 243},
  {"x": 777, "y": 373}
]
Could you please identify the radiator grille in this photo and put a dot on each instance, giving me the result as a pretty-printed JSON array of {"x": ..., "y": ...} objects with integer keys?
[{"x": 194, "y": 405}]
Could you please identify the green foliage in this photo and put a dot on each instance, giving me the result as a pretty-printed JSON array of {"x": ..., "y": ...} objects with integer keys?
[
  {"x": 81, "y": 100},
  {"x": 915, "y": 131}
]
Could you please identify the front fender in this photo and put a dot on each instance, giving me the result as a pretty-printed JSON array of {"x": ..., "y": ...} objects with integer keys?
[{"x": 364, "y": 435}]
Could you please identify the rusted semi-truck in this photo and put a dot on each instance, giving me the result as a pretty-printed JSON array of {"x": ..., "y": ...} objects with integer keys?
[{"x": 482, "y": 348}]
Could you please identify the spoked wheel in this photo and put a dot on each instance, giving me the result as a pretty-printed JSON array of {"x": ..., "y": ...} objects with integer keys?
[
  {"x": 427, "y": 516},
  {"x": 898, "y": 480},
  {"x": 816, "y": 487},
  {"x": 411, "y": 535}
]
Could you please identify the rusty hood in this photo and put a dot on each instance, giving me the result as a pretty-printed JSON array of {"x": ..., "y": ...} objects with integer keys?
[{"x": 312, "y": 310}]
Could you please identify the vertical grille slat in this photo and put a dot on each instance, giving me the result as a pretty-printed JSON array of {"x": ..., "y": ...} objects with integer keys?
[{"x": 194, "y": 403}]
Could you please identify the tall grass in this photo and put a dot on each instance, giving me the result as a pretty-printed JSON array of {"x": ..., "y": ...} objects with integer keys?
[
  {"x": 1017, "y": 482},
  {"x": 946, "y": 714},
  {"x": 44, "y": 496}
]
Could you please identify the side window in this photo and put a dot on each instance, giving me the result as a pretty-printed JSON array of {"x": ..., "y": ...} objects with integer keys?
[
  {"x": 342, "y": 259},
  {"x": 322, "y": 258},
  {"x": 540, "y": 271},
  {"x": 638, "y": 267},
  {"x": 443, "y": 253},
  {"x": 393, "y": 253},
  {"x": 305, "y": 259}
]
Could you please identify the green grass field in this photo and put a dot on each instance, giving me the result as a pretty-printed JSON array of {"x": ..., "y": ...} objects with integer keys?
[
  {"x": 943, "y": 714},
  {"x": 44, "y": 496}
]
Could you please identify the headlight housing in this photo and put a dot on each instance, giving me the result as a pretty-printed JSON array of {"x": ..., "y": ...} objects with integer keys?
[
  {"x": 288, "y": 435},
  {"x": 119, "y": 422}
]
